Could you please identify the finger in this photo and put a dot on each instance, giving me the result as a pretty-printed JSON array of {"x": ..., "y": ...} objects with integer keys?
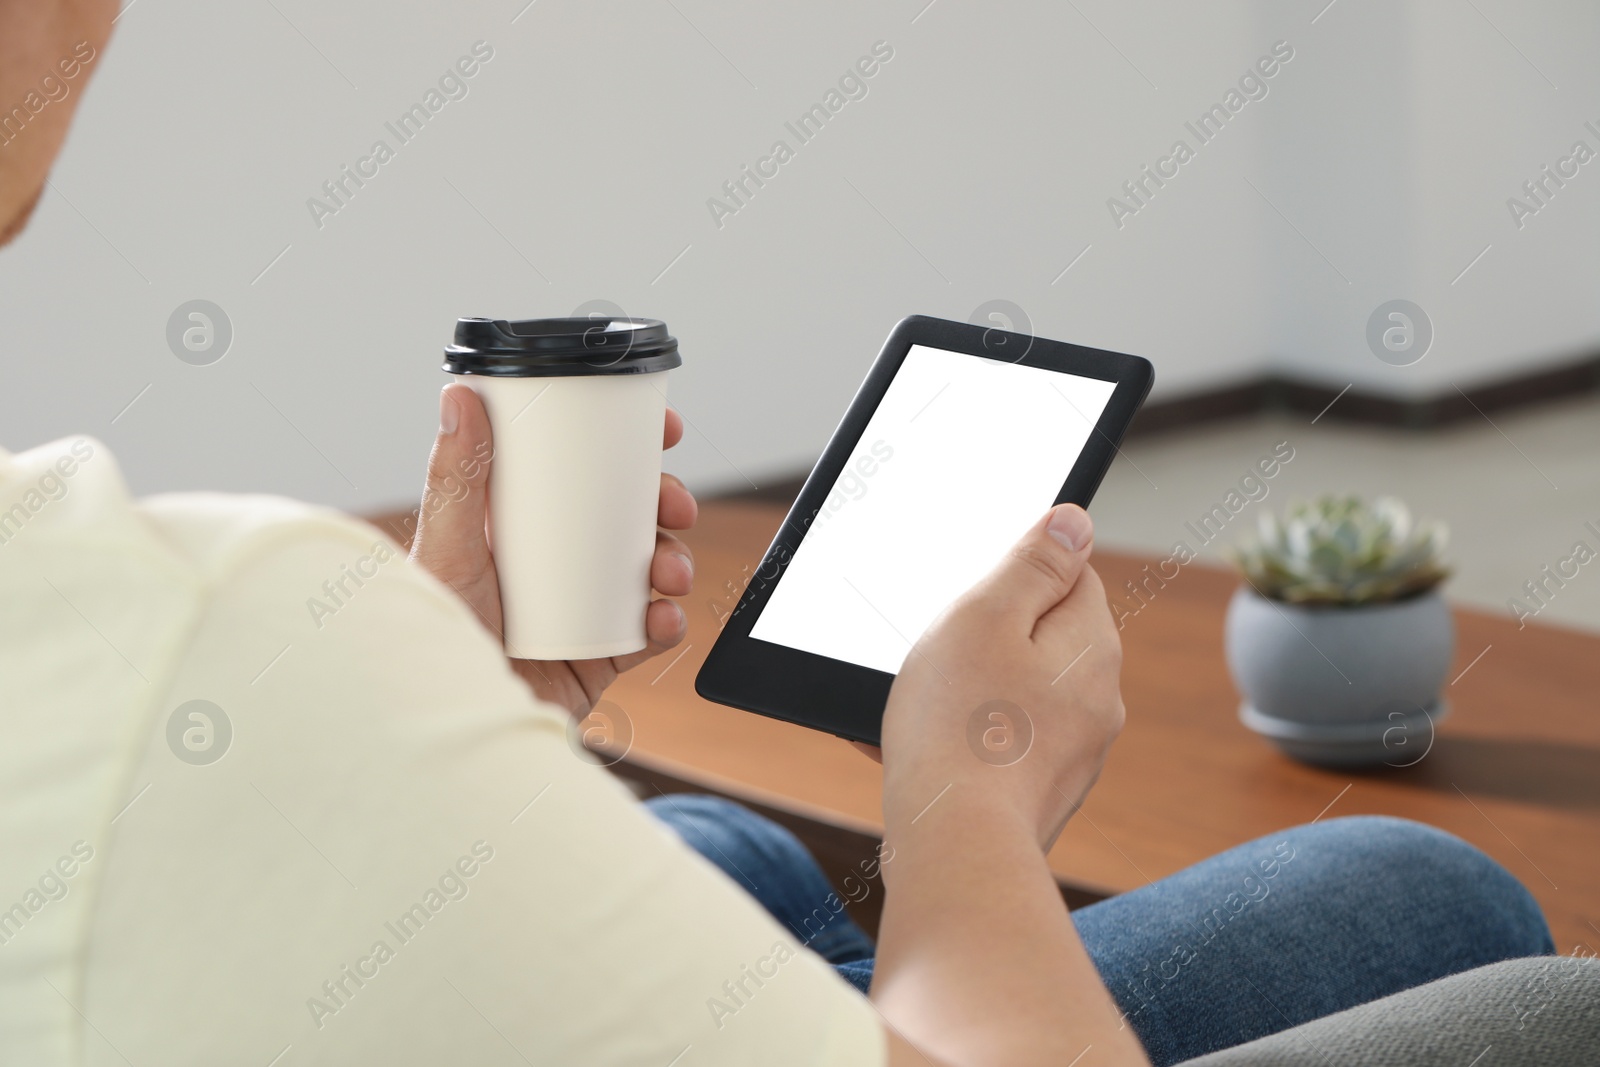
[
  {"x": 1081, "y": 620},
  {"x": 674, "y": 430},
  {"x": 450, "y": 526},
  {"x": 672, "y": 568},
  {"x": 664, "y": 627},
  {"x": 678, "y": 509},
  {"x": 1041, "y": 569}
]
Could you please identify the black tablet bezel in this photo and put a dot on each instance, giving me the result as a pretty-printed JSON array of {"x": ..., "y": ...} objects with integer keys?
[{"x": 845, "y": 698}]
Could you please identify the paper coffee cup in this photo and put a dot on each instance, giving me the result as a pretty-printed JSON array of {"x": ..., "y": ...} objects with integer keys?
[{"x": 578, "y": 408}]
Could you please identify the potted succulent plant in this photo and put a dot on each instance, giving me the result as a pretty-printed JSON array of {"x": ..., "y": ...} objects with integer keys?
[{"x": 1339, "y": 640}]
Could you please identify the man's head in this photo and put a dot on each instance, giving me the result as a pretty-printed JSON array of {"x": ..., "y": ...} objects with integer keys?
[{"x": 47, "y": 50}]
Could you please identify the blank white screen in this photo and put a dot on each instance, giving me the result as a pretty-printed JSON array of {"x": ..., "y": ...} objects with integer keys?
[{"x": 962, "y": 455}]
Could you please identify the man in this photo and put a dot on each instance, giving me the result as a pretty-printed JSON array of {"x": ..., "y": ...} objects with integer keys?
[{"x": 234, "y": 831}]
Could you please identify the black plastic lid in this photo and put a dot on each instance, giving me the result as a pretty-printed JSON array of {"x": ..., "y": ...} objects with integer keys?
[{"x": 542, "y": 348}]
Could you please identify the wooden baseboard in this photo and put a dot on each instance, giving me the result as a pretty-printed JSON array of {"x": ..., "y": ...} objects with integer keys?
[
  {"x": 1352, "y": 406},
  {"x": 1374, "y": 409}
]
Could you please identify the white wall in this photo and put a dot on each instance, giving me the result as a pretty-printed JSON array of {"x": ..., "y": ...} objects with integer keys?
[
  {"x": 1396, "y": 154},
  {"x": 977, "y": 167}
]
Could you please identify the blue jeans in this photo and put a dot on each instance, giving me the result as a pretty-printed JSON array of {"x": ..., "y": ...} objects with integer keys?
[{"x": 1288, "y": 928}]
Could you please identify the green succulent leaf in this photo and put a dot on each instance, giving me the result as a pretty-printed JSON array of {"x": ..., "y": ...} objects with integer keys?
[{"x": 1342, "y": 551}]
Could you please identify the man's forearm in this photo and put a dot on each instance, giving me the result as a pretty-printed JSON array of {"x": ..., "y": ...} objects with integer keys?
[{"x": 978, "y": 961}]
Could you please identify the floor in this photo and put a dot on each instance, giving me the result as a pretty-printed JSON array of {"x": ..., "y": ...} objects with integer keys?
[{"x": 1516, "y": 493}]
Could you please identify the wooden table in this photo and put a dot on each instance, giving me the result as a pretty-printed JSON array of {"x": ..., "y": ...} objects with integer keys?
[{"x": 1515, "y": 770}]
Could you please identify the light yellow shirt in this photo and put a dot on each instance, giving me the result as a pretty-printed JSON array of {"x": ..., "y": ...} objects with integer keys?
[{"x": 366, "y": 844}]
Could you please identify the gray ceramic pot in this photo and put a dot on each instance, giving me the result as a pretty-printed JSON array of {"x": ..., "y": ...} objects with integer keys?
[{"x": 1342, "y": 686}]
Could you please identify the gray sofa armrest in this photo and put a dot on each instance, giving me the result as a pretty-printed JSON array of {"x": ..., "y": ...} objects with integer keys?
[{"x": 1543, "y": 1011}]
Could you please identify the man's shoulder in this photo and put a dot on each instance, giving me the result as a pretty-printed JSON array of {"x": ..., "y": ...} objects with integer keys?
[
  {"x": 72, "y": 489},
  {"x": 66, "y": 502},
  {"x": 220, "y": 532},
  {"x": 69, "y": 484}
]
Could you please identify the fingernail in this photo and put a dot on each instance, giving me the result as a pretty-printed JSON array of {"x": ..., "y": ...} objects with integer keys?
[
  {"x": 688, "y": 565},
  {"x": 449, "y": 412},
  {"x": 1071, "y": 525}
]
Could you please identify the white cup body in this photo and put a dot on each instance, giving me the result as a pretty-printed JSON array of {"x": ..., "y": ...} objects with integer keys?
[{"x": 573, "y": 493}]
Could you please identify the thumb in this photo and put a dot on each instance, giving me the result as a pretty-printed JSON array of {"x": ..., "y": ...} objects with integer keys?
[
  {"x": 451, "y": 541},
  {"x": 1042, "y": 568}
]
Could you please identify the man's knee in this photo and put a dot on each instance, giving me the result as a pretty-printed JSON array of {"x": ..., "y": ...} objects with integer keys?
[{"x": 1419, "y": 867}]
